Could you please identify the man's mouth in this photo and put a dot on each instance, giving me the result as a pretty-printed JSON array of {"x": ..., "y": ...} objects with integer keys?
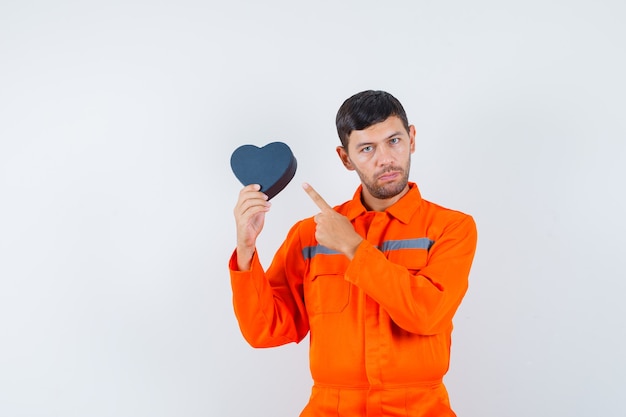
[{"x": 389, "y": 175}]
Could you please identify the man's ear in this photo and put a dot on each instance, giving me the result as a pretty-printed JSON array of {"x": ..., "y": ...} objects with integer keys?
[
  {"x": 345, "y": 159},
  {"x": 412, "y": 137}
]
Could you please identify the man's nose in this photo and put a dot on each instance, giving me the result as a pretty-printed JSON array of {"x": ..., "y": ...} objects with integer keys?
[{"x": 384, "y": 155}]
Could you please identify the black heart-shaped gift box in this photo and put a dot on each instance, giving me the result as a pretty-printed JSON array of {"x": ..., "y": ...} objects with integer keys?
[{"x": 271, "y": 166}]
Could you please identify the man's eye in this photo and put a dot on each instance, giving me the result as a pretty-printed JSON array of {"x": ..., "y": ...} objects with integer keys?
[
  {"x": 394, "y": 141},
  {"x": 367, "y": 149}
]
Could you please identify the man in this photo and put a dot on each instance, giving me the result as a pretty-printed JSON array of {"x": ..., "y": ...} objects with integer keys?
[{"x": 376, "y": 280}]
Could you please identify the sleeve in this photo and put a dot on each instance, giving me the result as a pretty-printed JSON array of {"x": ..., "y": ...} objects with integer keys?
[
  {"x": 269, "y": 305},
  {"x": 424, "y": 302}
]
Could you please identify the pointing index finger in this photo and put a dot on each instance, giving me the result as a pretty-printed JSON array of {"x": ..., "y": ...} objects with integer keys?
[{"x": 317, "y": 199}]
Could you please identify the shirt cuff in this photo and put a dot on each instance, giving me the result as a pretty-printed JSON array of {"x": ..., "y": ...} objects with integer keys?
[{"x": 234, "y": 267}]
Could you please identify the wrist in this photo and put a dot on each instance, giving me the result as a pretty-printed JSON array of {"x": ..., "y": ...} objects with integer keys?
[
  {"x": 351, "y": 251},
  {"x": 244, "y": 258}
]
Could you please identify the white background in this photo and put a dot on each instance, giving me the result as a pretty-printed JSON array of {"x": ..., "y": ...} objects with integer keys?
[{"x": 117, "y": 121}]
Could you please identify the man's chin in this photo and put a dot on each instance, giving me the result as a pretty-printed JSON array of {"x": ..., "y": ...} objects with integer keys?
[{"x": 387, "y": 191}]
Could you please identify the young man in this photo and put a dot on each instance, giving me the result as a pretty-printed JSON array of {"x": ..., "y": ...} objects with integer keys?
[{"x": 376, "y": 280}]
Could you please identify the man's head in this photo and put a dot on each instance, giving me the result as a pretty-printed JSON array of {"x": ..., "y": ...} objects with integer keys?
[
  {"x": 365, "y": 109},
  {"x": 377, "y": 144}
]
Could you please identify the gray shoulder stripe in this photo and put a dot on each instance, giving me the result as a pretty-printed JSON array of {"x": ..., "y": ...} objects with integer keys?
[
  {"x": 389, "y": 245},
  {"x": 420, "y": 243},
  {"x": 310, "y": 251}
]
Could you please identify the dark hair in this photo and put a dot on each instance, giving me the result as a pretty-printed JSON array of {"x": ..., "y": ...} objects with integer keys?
[{"x": 365, "y": 109}]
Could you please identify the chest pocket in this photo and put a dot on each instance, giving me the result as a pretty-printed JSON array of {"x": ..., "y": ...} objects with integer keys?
[
  {"x": 326, "y": 291},
  {"x": 412, "y": 259}
]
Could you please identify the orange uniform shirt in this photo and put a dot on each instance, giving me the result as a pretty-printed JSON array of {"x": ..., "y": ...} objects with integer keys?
[{"x": 380, "y": 325}]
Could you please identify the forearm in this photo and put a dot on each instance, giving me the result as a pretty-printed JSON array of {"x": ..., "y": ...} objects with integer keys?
[
  {"x": 267, "y": 312},
  {"x": 421, "y": 298}
]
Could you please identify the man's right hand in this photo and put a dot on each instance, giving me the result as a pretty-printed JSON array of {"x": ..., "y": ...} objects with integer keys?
[{"x": 250, "y": 217}]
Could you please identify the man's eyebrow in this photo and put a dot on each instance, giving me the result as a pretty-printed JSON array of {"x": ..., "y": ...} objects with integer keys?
[{"x": 394, "y": 134}]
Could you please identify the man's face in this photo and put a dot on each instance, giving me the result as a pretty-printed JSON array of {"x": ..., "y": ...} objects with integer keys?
[{"x": 381, "y": 156}]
